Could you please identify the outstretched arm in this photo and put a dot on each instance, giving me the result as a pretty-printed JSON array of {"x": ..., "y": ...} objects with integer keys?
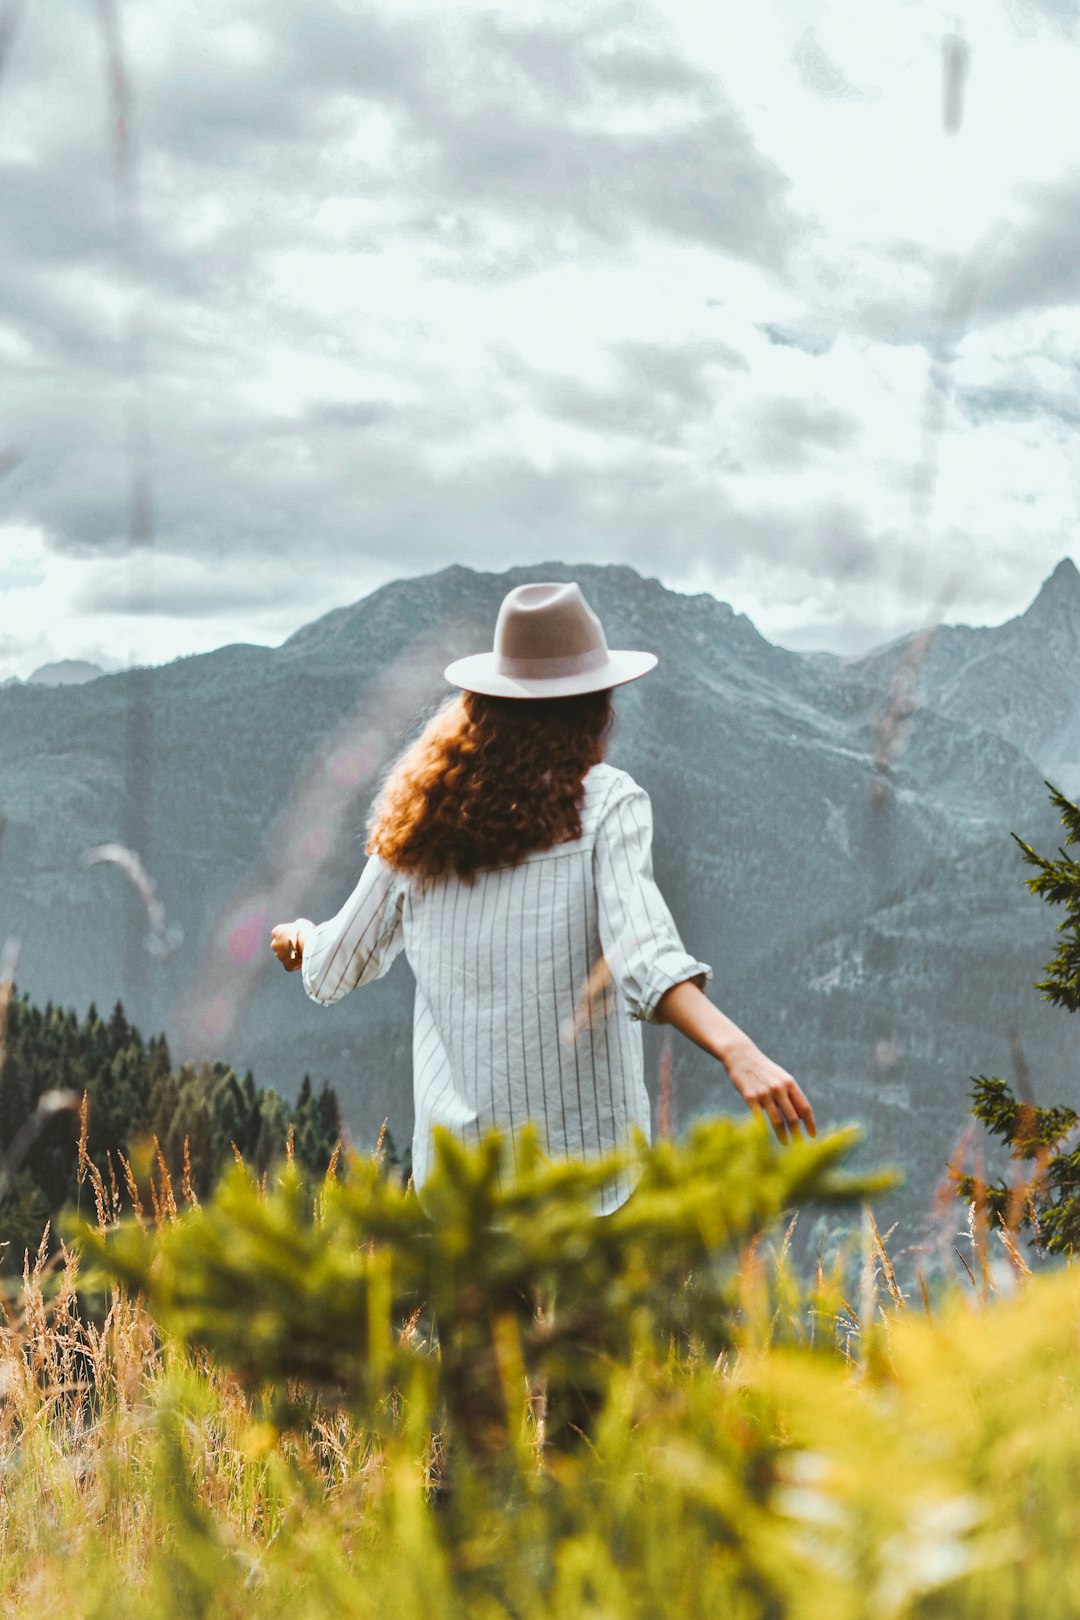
[
  {"x": 354, "y": 947},
  {"x": 760, "y": 1082}
]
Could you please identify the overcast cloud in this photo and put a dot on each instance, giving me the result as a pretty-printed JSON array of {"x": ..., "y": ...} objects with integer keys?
[{"x": 667, "y": 285}]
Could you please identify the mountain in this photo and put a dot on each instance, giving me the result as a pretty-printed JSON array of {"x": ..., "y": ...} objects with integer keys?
[
  {"x": 832, "y": 834},
  {"x": 1017, "y": 679},
  {"x": 67, "y": 672}
]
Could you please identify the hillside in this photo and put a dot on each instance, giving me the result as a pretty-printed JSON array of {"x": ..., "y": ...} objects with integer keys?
[{"x": 868, "y": 926}]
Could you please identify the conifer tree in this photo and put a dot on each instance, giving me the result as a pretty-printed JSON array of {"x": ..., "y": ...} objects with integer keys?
[
  {"x": 1042, "y": 1137},
  {"x": 133, "y": 1094}
]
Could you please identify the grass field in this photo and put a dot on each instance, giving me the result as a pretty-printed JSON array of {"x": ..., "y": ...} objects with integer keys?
[{"x": 243, "y": 1416}]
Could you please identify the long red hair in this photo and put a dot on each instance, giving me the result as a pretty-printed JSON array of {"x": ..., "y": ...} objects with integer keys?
[{"x": 488, "y": 781}]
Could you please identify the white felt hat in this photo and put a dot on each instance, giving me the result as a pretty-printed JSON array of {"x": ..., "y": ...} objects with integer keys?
[{"x": 548, "y": 643}]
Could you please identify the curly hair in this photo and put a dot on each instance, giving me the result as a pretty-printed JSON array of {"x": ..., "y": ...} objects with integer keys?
[{"x": 488, "y": 781}]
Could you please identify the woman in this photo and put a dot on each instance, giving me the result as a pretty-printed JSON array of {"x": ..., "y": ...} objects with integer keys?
[{"x": 514, "y": 867}]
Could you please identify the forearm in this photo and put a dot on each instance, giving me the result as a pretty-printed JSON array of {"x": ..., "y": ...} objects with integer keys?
[
  {"x": 689, "y": 1010},
  {"x": 762, "y": 1084}
]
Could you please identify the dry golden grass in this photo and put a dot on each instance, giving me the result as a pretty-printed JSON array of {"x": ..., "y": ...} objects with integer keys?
[{"x": 138, "y": 1478}]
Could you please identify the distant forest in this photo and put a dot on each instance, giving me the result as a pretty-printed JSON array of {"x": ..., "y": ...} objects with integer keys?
[{"x": 129, "y": 1094}]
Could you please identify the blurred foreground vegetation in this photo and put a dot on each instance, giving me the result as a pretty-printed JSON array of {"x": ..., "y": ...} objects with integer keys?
[{"x": 316, "y": 1398}]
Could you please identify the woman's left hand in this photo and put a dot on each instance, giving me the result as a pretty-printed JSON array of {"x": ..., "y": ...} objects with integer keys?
[
  {"x": 763, "y": 1085},
  {"x": 768, "y": 1089}
]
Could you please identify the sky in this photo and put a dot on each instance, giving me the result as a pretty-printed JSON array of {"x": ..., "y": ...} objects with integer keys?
[{"x": 778, "y": 302}]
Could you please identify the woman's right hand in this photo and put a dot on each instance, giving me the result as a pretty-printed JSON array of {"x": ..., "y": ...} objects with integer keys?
[{"x": 287, "y": 943}]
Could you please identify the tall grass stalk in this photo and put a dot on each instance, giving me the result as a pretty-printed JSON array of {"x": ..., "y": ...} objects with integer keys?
[{"x": 792, "y": 1476}]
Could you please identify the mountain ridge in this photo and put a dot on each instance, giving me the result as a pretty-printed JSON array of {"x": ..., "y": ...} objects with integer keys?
[
  {"x": 812, "y": 869},
  {"x": 65, "y": 672}
]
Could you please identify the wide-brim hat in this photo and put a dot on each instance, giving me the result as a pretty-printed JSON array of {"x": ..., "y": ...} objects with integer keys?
[{"x": 548, "y": 643}]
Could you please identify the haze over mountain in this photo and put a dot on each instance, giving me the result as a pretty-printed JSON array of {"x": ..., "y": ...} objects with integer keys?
[
  {"x": 832, "y": 834},
  {"x": 66, "y": 672}
]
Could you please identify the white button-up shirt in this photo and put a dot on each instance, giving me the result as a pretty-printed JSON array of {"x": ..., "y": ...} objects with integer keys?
[{"x": 531, "y": 981}]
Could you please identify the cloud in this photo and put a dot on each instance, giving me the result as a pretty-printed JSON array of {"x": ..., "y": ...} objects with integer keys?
[
  {"x": 1019, "y": 400},
  {"x": 1062, "y": 14},
  {"x": 897, "y": 291},
  {"x": 300, "y": 508},
  {"x": 419, "y": 286},
  {"x": 702, "y": 183},
  {"x": 568, "y": 67},
  {"x": 478, "y": 149},
  {"x": 511, "y": 126},
  {"x": 814, "y": 335},
  {"x": 818, "y": 70},
  {"x": 485, "y": 145},
  {"x": 829, "y": 542},
  {"x": 658, "y": 393},
  {"x": 184, "y": 587},
  {"x": 55, "y": 209},
  {"x": 784, "y": 432},
  {"x": 1038, "y": 265},
  {"x": 503, "y": 140},
  {"x": 229, "y": 98}
]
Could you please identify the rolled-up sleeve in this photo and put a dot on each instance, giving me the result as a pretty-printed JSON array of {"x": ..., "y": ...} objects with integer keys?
[
  {"x": 360, "y": 943},
  {"x": 637, "y": 932}
]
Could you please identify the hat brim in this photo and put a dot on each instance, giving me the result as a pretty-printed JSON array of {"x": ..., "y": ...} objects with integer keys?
[{"x": 478, "y": 674}]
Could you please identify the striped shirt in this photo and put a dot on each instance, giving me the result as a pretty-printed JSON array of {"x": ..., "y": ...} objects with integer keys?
[{"x": 531, "y": 982}]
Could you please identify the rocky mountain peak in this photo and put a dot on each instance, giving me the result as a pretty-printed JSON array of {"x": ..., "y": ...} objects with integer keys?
[{"x": 1059, "y": 595}]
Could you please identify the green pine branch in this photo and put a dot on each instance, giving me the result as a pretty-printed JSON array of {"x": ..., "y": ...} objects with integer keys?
[{"x": 317, "y": 1285}]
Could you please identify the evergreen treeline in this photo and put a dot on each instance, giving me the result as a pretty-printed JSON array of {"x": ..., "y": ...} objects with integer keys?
[
  {"x": 133, "y": 1094},
  {"x": 1044, "y": 1139}
]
